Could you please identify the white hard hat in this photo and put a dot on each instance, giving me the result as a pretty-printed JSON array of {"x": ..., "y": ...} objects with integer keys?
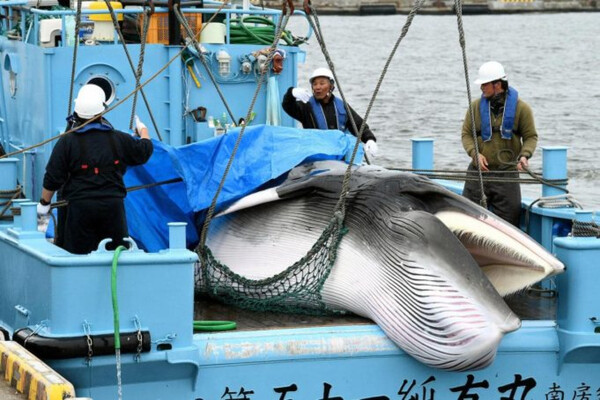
[
  {"x": 90, "y": 101},
  {"x": 489, "y": 72},
  {"x": 324, "y": 72}
]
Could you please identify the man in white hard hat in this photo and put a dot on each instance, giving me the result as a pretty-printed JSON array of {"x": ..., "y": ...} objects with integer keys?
[
  {"x": 322, "y": 110},
  {"x": 506, "y": 138},
  {"x": 87, "y": 166}
]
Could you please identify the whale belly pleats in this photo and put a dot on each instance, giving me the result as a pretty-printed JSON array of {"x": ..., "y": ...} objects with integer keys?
[{"x": 388, "y": 269}]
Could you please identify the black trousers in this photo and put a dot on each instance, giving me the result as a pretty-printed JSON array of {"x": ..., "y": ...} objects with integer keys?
[
  {"x": 503, "y": 198},
  {"x": 89, "y": 221}
]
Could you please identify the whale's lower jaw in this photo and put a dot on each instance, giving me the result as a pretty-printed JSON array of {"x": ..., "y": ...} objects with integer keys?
[{"x": 426, "y": 317}]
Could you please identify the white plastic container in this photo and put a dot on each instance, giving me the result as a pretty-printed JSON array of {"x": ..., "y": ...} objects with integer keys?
[{"x": 213, "y": 32}]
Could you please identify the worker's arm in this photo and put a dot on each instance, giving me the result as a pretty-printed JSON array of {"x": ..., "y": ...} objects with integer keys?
[
  {"x": 367, "y": 134},
  {"x": 295, "y": 104},
  {"x": 46, "y": 196}
]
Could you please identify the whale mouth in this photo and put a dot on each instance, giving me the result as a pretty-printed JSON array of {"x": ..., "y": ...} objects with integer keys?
[{"x": 510, "y": 259}]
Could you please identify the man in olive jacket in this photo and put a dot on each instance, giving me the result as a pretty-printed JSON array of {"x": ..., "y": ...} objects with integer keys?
[{"x": 506, "y": 138}]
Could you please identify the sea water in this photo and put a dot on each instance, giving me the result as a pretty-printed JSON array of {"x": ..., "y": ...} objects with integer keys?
[{"x": 553, "y": 60}]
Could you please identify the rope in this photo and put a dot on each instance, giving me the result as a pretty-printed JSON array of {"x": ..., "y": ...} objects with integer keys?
[
  {"x": 315, "y": 25},
  {"x": 10, "y": 195},
  {"x": 138, "y": 75},
  {"x": 115, "y": 22},
  {"x": 115, "y": 304},
  {"x": 192, "y": 37},
  {"x": 75, "y": 47},
  {"x": 458, "y": 7},
  {"x": 201, "y": 248},
  {"x": 558, "y": 201},
  {"x": 63, "y": 203},
  {"x": 297, "y": 289},
  {"x": 124, "y": 99},
  {"x": 585, "y": 229}
]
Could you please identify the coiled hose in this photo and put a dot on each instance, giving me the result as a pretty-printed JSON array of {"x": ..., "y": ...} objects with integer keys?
[{"x": 262, "y": 32}]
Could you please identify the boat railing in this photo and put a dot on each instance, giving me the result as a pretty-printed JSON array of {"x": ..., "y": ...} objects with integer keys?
[
  {"x": 542, "y": 223},
  {"x": 34, "y": 22}
]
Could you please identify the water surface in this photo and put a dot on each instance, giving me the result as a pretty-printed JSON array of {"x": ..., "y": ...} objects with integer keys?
[{"x": 553, "y": 60}]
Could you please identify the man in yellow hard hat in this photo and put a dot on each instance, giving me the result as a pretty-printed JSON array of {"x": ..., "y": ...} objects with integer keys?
[
  {"x": 323, "y": 110},
  {"x": 506, "y": 138}
]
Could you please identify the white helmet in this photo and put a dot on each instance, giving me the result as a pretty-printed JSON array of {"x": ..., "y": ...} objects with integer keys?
[
  {"x": 324, "y": 72},
  {"x": 489, "y": 72},
  {"x": 90, "y": 101}
]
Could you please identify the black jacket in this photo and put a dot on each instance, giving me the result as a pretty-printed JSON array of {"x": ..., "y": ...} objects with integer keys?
[
  {"x": 64, "y": 168},
  {"x": 303, "y": 113}
]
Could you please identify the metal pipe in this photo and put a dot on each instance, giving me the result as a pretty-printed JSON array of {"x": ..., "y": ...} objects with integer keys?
[
  {"x": 554, "y": 166},
  {"x": 17, "y": 223},
  {"x": 8, "y": 173},
  {"x": 177, "y": 235},
  {"x": 174, "y": 29},
  {"x": 29, "y": 217},
  {"x": 422, "y": 154}
]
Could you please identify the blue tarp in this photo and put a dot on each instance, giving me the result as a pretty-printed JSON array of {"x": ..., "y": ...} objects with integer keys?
[{"x": 265, "y": 153}]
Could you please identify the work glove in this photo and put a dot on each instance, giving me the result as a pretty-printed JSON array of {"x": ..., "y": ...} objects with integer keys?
[
  {"x": 371, "y": 149},
  {"x": 43, "y": 209},
  {"x": 139, "y": 125},
  {"x": 300, "y": 94}
]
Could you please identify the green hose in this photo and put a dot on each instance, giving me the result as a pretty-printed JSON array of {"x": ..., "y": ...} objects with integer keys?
[
  {"x": 206, "y": 326},
  {"x": 241, "y": 33},
  {"x": 213, "y": 326},
  {"x": 115, "y": 302}
]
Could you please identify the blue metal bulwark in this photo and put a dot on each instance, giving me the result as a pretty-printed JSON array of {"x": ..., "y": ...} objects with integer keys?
[{"x": 579, "y": 306}]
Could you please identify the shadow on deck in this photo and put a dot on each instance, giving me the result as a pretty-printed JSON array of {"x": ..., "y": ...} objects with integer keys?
[{"x": 532, "y": 304}]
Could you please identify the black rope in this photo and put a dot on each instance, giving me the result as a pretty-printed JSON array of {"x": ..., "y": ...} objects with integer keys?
[
  {"x": 75, "y": 47},
  {"x": 147, "y": 15},
  {"x": 585, "y": 229},
  {"x": 279, "y": 31},
  {"x": 113, "y": 16},
  {"x": 123, "y": 100},
  {"x": 461, "y": 33},
  {"x": 10, "y": 195},
  {"x": 63, "y": 203},
  {"x": 192, "y": 36}
]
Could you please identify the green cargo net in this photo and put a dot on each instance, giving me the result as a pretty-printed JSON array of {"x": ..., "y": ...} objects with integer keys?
[{"x": 297, "y": 289}]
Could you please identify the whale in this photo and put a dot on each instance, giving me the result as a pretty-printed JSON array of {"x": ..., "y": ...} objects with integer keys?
[{"x": 428, "y": 266}]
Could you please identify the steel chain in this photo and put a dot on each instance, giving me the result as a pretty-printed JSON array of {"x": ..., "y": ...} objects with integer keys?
[
  {"x": 138, "y": 354},
  {"x": 89, "y": 341}
]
